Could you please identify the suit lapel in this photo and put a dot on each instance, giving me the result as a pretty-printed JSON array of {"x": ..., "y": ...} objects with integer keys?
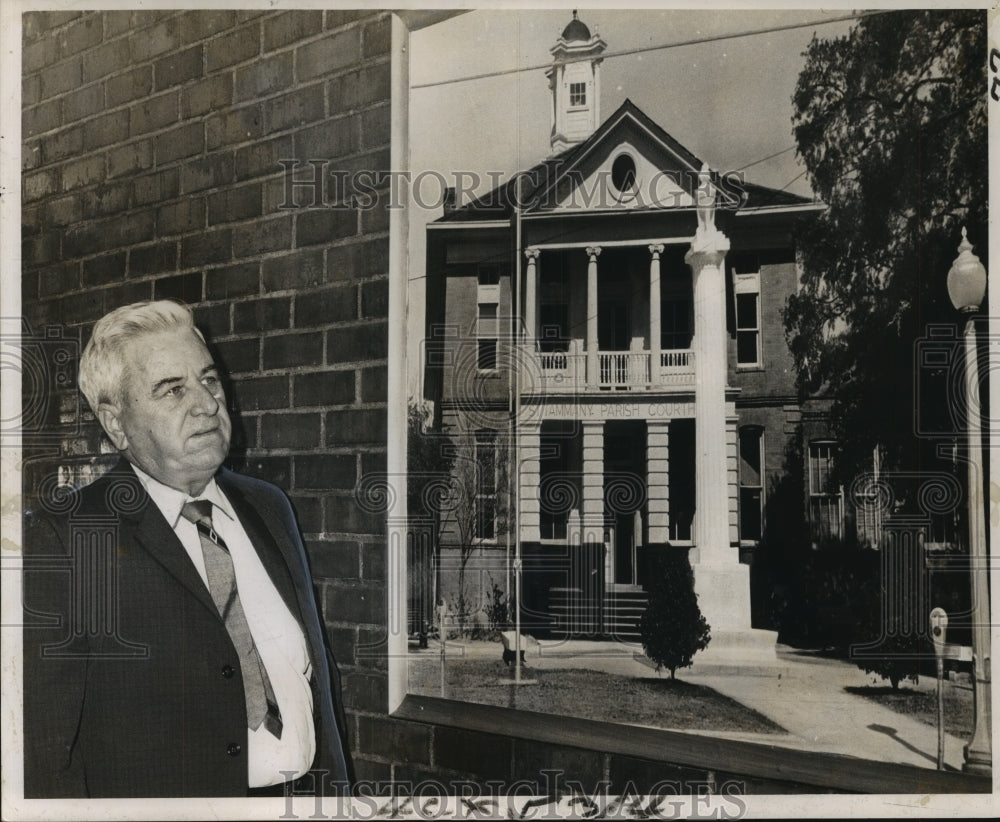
[{"x": 270, "y": 544}]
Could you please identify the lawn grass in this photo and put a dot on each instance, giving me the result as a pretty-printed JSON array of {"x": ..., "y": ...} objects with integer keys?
[
  {"x": 922, "y": 704},
  {"x": 653, "y": 701}
]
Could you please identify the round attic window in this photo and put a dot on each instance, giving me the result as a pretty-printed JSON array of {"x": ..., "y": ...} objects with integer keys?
[{"x": 623, "y": 173}]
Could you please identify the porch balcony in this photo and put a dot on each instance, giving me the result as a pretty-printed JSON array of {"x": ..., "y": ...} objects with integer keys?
[{"x": 566, "y": 372}]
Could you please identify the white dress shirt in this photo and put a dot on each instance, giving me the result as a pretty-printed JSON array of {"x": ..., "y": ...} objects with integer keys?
[{"x": 276, "y": 633}]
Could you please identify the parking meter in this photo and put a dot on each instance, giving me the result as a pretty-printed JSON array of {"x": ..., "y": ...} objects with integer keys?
[{"x": 939, "y": 625}]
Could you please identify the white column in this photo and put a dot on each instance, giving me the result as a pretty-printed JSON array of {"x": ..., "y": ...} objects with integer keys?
[
  {"x": 592, "y": 516},
  {"x": 531, "y": 297},
  {"x": 530, "y": 443},
  {"x": 593, "y": 375},
  {"x": 658, "y": 480},
  {"x": 654, "y": 313},
  {"x": 722, "y": 584}
]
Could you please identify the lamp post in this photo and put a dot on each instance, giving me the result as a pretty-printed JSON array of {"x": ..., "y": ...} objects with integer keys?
[{"x": 966, "y": 287}]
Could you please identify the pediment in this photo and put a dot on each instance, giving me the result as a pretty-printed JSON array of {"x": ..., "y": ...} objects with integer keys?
[{"x": 628, "y": 167}]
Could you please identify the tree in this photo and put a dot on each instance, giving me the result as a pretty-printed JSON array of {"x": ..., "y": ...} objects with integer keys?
[
  {"x": 672, "y": 628},
  {"x": 890, "y": 121}
]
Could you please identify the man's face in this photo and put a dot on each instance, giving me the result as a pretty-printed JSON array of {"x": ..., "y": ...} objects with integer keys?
[{"x": 172, "y": 422}]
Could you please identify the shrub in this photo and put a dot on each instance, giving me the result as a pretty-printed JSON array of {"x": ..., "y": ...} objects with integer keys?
[{"x": 673, "y": 629}]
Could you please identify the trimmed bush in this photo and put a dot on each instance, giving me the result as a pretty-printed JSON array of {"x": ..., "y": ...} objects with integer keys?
[{"x": 673, "y": 629}]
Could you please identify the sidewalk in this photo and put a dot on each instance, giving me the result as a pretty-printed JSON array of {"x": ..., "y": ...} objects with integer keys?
[{"x": 803, "y": 694}]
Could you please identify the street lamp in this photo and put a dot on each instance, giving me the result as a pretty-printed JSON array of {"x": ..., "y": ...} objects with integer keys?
[{"x": 966, "y": 287}]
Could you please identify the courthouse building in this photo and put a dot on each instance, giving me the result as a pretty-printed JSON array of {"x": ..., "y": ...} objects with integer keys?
[{"x": 608, "y": 324}]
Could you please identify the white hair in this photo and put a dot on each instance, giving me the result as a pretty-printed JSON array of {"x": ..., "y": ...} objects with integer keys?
[{"x": 102, "y": 366}]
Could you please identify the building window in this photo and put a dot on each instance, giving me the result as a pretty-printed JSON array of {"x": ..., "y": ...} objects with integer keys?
[
  {"x": 826, "y": 510},
  {"x": 489, "y": 274},
  {"x": 675, "y": 324},
  {"x": 751, "y": 483},
  {"x": 487, "y": 337},
  {"x": 623, "y": 173},
  {"x": 578, "y": 94},
  {"x": 747, "y": 291},
  {"x": 486, "y": 483}
]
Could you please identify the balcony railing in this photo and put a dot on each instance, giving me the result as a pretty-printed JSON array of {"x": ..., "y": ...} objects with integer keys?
[{"x": 566, "y": 371}]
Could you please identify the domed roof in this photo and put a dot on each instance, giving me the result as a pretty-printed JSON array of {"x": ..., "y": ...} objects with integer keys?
[{"x": 575, "y": 30}]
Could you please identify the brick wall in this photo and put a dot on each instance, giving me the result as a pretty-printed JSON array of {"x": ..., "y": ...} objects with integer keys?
[{"x": 151, "y": 143}]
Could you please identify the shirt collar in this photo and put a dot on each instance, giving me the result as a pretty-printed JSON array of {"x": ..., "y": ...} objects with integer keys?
[{"x": 170, "y": 501}]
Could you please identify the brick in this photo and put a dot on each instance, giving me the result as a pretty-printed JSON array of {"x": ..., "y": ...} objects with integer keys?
[
  {"x": 39, "y": 54},
  {"x": 41, "y": 184},
  {"x": 207, "y": 247},
  {"x": 373, "y": 645},
  {"x": 213, "y": 320},
  {"x": 155, "y": 41},
  {"x": 124, "y": 88},
  {"x": 325, "y": 471},
  {"x": 314, "y": 226},
  {"x": 234, "y": 204},
  {"x": 374, "y": 220},
  {"x": 130, "y": 158},
  {"x": 531, "y": 758},
  {"x": 184, "y": 215},
  {"x": 263, "y": 77},
  {"x": 102, "y": 270},
  {"x": 184, "y": 287},
  {"x": 43, "y": 248},
  {"x": 152, "y": 259},
  {"x": 64, "y": 211},
  {"x": 487, "y": 755},
  {"x": 235, "y": 126},
  {"x": 359, "y": 88},
  {"x": 80, "y": 35},
  {"x": 117, "y": 22},
  {"x": 105, "y": 60},
  {"x": 376, "y": 38},
  {"x": 329, "y": 140},
  {"x": 373, "y": 559},
  {"x": 364, "y": 691},
  {"x": 325, "y": 306},
  {"x": 67, "y": 142},
  {"x": 253, "y": 315},
  {"x": 84, "y": 102},
  {"x": 262, "y": 157},
  {"x": 375, "y": 299},
  {"x": 325, "y": 56},
  {"x": 289, "y": 430},
  {"x": 233, "y": 48},
  {"x": 309, "y": 513},
  {"x": 58, "y": 279},
  {"x": 356, "y": 427},
  {"x": 377, "y": 775},
  {"x": 336, "y": 19},
  {"x": 262, "y": 393},
  {"x": 61, "y": 77},
  {"x": 287, "y": 27},
  {"x": 302, "y": 106},
  {"x": 354, "y": 343},
  {"x": 82, "y": 240},
  {"x": 291, "y": 350},
  {"x": 31, "y": 90},
  {"x": 204, "y": 96},
  {"x": 184, "y": 141},
  {"x": 375, "y": 127},
  {"x": 154, "y": 113},
  {"x": 374, "y": 385},
  {"x": 293, "y": 271},
  {"x": 360, "y": 603},
  {"x": 394, "y": 739},
  {"x": 273, "y": 469},
  {"x": 262, "y": 236},
  {"x": 197, "y": 25},
  {"x": 129, "y": 229},
  {"x": 107, "y": 199},
  {"x": 83, "y": 172},
  {"x": 127, "y": 294},
  {"x": 323, "y": 388},
  {"x": 104, "y": 131},
  {"x": 178, "y": 68},
  {"x": 83, "y": 307},
  {"x": 232, "y": 281},
  {"x": 239, "y": 356},
  {"x": 161, "y": 185},
  {"x": 208, "y": 172},
  {"x": 645, "y": 774}
]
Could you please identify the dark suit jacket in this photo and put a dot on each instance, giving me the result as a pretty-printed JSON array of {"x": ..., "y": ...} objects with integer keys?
[{"x": 124, "y": 651}]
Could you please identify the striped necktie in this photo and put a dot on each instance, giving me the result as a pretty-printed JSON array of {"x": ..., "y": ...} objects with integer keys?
[{"x": 261, "y": 704}]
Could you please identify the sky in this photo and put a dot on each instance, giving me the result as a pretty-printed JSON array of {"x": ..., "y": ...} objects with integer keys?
[{"x": 728, "y": 101}]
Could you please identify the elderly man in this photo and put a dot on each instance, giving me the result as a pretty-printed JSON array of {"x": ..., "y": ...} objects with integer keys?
[{"x": 183, "y": 654}]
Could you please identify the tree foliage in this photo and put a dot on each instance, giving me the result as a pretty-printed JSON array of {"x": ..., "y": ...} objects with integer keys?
[
  {"x": 672, "y": 627},
  {"x": 891, "y": 123}
]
